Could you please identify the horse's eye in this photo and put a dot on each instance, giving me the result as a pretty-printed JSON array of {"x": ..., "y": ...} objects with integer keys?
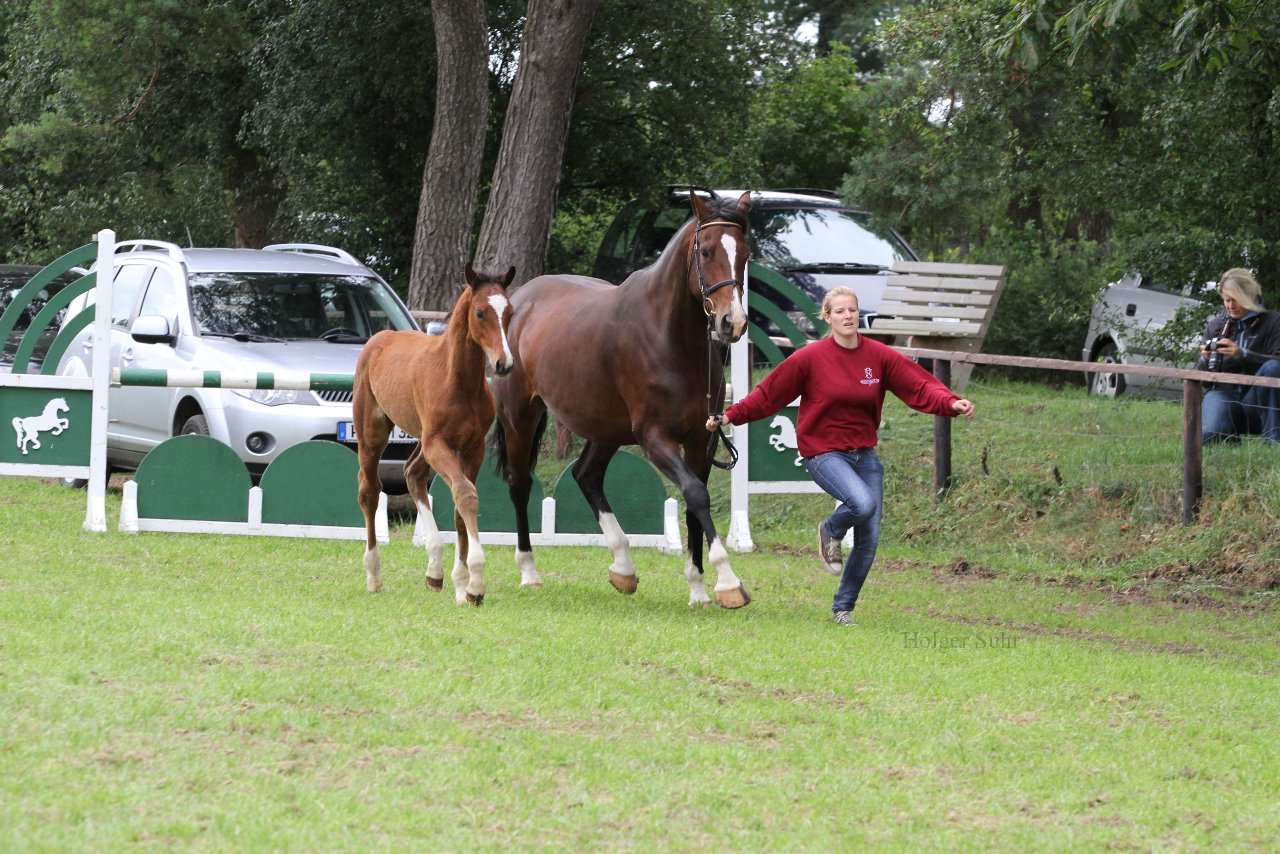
[
  {"x": 706, "y": 253},
  {"x": 480, "y": 313}
]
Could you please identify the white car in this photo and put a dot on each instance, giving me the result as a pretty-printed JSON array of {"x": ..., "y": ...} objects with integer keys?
[
  {"x": 295, "y": 308},
  {"x": 1122, "y": 323}
]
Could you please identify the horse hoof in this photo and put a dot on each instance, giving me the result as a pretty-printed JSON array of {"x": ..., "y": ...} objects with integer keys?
[
  {"x": 735, "y": 598},
  {"x": 436, "y": 584},
  {"x": 473, "y": 599},
  {"x": 533, "y": 584},
  {"x": 624, "y": 583}
]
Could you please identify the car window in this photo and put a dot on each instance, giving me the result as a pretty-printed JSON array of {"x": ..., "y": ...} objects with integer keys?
[
  {"x": 161, "y": 297},
  {"x": 293, "y": 305},
  {"x": 124, "y": 292},
  {"x": 791, "y": 237}
]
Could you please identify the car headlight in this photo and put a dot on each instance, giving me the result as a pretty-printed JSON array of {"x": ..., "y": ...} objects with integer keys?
[{"x": 277, "y": 396}]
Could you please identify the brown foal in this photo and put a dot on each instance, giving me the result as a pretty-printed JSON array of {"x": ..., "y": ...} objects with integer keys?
[{"x": 434, "y": 388}]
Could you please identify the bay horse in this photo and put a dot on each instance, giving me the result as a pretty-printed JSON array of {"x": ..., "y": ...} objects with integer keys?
[
  {"x": 630, "y": 365},
  {"x": 434, "y": 387}
]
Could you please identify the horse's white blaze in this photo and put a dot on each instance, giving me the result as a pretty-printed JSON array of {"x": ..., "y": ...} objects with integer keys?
[
  {"x": 737, "y": 314},
  {"x": 616, "y": 540},
  {"x": 435, "y": 544},
  {"x": 499, "y": 304},
  {"x": 697, "y": 590},
  {"x": 725, "y": 579},
  {"x": 528, "y": 572}
]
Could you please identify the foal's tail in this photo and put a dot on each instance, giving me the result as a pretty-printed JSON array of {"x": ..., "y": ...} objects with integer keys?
[{"x": 498, "y": 444}]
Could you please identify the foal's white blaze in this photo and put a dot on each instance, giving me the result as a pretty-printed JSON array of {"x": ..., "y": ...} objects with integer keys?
[
  {"x": 499, "y": 304},
  {"x": 616, "y": 540},
  {"x": 435, "y": 544}
]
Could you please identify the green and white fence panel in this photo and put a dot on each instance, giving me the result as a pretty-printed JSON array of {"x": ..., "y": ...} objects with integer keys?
[
  {"x": 197, "y": 485},
  {"x": 769, "y": 460},
  {"x": 636, "y": 491},
  {"x": 60, "y": 423}
]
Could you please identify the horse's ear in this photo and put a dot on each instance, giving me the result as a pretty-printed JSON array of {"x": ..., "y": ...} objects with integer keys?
[
  {"x": 700, "y": 209},
  {"x": 509, "y": 277},
  {"x": 744, "y": 202},
  {"x": 471, "y": 275}
]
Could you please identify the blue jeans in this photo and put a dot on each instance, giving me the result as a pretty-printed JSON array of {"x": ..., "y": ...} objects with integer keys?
[
  {"x": 1228, "y": 411},
  {"x": 856, "y": 480}
]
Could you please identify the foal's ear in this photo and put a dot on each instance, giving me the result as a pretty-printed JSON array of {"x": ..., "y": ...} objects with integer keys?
[
  {"x": 744, "y": 202},
  {"x": 509, "y": 277},
  {"x": 471, "y": 276}
]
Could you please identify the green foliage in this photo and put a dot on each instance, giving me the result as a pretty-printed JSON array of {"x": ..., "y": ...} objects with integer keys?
[
  {"x": 1044, "y": 310},
  {"x": 804, "y": 126}
]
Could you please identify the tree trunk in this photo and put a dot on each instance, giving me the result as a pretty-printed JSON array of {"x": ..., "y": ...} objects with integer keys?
[
  {"x": 451, "y": 177},
  {"x": 254, "y": 198},
  {"x": 522, "y": 201}
]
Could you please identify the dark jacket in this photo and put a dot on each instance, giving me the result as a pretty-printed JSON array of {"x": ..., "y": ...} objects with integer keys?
[{"x": 1258, "y": 335}]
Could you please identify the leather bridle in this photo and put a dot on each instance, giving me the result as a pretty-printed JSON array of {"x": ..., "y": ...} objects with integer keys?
[{"x": 709, "y": 309}]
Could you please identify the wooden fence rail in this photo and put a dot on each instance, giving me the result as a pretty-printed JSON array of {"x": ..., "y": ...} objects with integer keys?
[{"x": 1192, "y": 394}]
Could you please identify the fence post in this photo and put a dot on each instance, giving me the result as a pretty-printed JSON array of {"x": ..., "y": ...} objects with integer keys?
[
  {"x": 1192, "y": 476},
  {"x": 942, "y": 434}
]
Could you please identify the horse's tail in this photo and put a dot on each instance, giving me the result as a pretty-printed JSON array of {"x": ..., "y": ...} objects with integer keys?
[{"x": 498, "y": 444}]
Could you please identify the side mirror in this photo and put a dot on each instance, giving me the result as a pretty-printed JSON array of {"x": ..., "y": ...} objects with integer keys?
[{"x": 152, "y": 329}]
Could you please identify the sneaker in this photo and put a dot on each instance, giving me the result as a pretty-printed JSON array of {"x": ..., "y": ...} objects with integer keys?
[
  {"x": 830, "y": 551},
  {"x": 842, "y": 618}
]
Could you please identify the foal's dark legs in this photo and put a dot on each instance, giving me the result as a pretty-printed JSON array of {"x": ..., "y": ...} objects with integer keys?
[{"x": 589, "y": 471}]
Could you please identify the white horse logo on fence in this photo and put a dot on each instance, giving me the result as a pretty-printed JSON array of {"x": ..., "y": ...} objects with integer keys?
[
  {"x": 785, "y": 439},
  {"x": 29, "y": 429}
]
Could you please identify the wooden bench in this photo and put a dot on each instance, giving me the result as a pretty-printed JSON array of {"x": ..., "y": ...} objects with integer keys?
[{"x": 939, "y": 307}]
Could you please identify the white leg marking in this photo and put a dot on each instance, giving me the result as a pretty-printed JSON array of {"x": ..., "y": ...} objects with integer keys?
[
  {"x": 697, "y": 590},
  {"x": 372, "y": 570},
  {"x": 435, "y": 545},
  {"x": 475, "y": 568},
  {"x": 528, "y": 572},
  {"x": 725, "y": 579},
  {"x": 616, "y": 540},
  {"x": 460, "y": 575}
]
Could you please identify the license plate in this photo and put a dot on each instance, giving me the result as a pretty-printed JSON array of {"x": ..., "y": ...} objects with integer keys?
[{"x": 347, "y": 433}]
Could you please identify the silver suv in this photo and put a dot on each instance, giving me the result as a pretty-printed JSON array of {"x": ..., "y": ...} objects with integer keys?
[{"x": 298, "y": 308}]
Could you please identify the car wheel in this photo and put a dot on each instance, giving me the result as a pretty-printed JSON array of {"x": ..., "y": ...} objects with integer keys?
[
  {"x": 1106, "y": 384},
  {"x": 196, "y": 424}
]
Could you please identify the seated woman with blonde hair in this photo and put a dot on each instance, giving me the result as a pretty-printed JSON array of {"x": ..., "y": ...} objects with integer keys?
[{"x": 1244, "y": 339}]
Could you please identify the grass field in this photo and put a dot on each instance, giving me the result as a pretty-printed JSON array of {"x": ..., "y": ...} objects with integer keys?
[{"x": 1040, "y": 662}]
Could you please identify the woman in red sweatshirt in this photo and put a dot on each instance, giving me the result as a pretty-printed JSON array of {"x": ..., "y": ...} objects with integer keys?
[{"x": 841, "y": 381}]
